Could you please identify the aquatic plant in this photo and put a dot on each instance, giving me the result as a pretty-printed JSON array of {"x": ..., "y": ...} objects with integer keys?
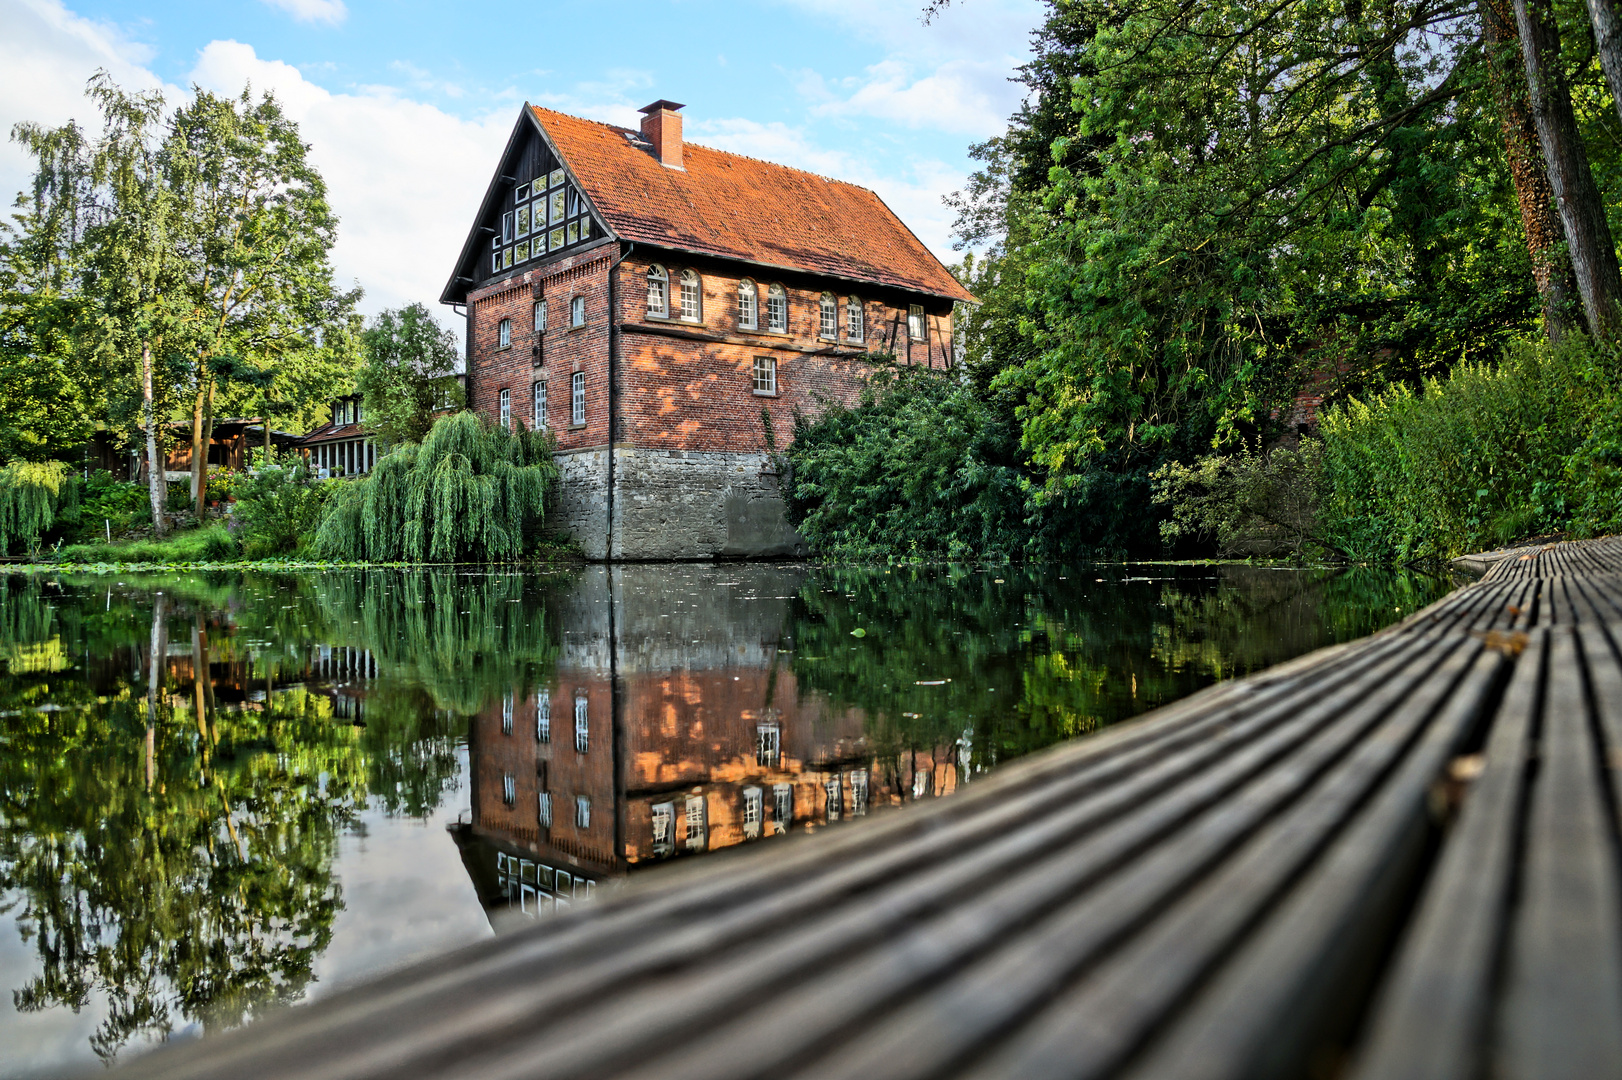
[{"x": 470, "y": 492}]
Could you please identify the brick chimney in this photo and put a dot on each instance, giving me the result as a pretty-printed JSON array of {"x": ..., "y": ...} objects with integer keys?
[{"x": 661, "y": 125}]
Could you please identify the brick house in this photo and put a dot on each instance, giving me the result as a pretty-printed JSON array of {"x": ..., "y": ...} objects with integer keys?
[{"x": 653, "y": 303}]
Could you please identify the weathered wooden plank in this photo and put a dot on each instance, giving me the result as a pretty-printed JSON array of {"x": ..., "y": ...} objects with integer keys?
[
  {"x": 1562, "y": 1010},
  {"x": 1431, "y": 1018}
]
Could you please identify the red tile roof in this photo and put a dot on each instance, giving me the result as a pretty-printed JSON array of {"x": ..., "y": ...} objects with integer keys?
[{"x": 736, "y": 207}]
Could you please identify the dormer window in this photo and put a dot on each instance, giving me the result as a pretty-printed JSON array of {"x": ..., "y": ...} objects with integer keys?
[
  {"x": 828, "y": 322},
  {"x": 658, "y": 286},
  {"x": 855, "y": 324},
  {"x": 690, "y": 310},
  {"x": 777, "y": 310},
  {"x": 747, "y": 301}
]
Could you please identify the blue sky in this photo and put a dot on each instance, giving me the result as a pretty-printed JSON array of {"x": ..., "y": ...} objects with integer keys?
[{"x": 407, "y": 104}]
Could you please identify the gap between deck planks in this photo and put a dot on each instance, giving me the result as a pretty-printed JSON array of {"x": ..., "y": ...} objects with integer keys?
[{"x": 1393, "y": 858}]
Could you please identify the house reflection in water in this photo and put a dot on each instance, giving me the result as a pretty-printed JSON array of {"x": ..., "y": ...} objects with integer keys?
[{"x": 672, "y": 726}]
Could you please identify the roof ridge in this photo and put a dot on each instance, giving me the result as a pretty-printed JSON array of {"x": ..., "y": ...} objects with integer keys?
[{"x": 710, "y": 149}]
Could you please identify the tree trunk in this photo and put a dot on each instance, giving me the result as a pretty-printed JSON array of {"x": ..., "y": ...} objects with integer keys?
[
  {"x": 154, "y": 679},
  {"x": 204, "y": 425},
  {"x": 1588, "y": 235},
  {"x": 1545, "y": 236},
  {"x": 156, "y": 488},
  {"x": 1608, "y": 42},
  {"x": 199, "y": 449}
]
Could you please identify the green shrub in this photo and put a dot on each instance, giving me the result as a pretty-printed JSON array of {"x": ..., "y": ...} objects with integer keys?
[
  {"x": 211, "y": 544},
  {"x": 32, "y": 496},
  {"x": 1483, "y": 457},
  {"x": 278, "y": 508},
  {"x": 1253, "y": 502},
  {"x": 471, "y": 492},
  {"x": 107, "y": 504}
]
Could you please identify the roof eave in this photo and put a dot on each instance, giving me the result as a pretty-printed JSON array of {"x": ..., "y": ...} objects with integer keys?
[{"x": 966, "y": 297}]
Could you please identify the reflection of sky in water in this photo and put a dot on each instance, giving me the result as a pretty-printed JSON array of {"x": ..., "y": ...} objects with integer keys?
[
  {"x": 406, "y": 896},
  {"x": 749, "y": 700}
]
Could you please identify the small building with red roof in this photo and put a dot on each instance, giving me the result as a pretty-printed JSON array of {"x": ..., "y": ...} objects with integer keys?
[{"x": 667, "y": 309}]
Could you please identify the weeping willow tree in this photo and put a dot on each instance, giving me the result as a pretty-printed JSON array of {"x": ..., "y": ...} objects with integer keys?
[
  {"x": 470, "y": 492},
  {"x": 32, "y": 494}
]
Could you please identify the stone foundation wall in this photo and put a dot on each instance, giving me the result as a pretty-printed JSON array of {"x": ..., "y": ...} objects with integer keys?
[{"x": 675, "y": 504}]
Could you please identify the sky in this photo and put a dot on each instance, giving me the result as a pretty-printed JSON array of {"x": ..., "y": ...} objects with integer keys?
[{"x": 406, "y": 105}]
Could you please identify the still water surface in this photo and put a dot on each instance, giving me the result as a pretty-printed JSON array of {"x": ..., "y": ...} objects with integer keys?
[{"x": 227, "y": 791}]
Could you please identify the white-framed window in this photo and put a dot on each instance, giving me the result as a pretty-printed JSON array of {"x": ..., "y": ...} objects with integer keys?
[
  {"x": 768, "y": 745},
  {"x": 543, "y": 716},
  {"x": 855, "y": 323},
  {"x": 582, "y": 727},
  {"x": 748, "y": 301},
  {"x": 523, "y": 212},
  {"x": 540, "y": 316},
  {"x": 858, "y": 792},
  {"x": 697, "y": 822},
  {"x": 577, "y": 398},
  {"x": 922, "y": 782},
  {"x": 582, "y": 812},
  {"x": 509, "y": 788},
  {"x": 506, "y": 398},
  {"x": 827, "y": 317},
  {"x": 691, "y": 310},
  {"x": 833, "y": 798},
  {"x": 577, "y": 311},
  {"x": 782, "y": 807},
  {"x": 664, "y": 824},
  {"x": 507, "y": 715},
  {"x": 504, "y": 333},
  {"x": 754, "y": 811},
  {"x": 765, "y": 375},
  {"x": 777, "y": 309},
  {"x": 543, "y": 809},
  {"x": 658, "y": 290},
  {"x": 915, "y": 322},
  {"x": 538, "y": 405},
  {"x": 507, "y": 228}
]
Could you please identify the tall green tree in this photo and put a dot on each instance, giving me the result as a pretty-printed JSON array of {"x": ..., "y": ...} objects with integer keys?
[
  {"x": 409, "y": 375},
  {"x": 255, "y": 240}
]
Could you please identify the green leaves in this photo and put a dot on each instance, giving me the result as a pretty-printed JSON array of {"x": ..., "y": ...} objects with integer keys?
[
  {"x": 471, "y": 492},
  {"x": 410, "y": 374}
]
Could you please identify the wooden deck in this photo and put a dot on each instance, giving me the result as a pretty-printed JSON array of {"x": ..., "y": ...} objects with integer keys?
[{"x": 1393, "y": 858}]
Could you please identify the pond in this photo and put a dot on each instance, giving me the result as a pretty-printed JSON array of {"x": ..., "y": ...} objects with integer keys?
[{"x": 227, "y": 791}]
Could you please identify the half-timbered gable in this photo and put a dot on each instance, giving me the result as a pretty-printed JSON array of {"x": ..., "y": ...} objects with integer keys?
[{"x": 666, "y": 309}]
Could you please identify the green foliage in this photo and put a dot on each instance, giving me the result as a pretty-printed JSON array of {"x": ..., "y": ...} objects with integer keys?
[
  {"x": 471, "y": 492},
  {"x": 1253, "y": 502},
  {"x": 212, "y": 543},
  {"x": 928, "y": 465},
  {"x": 107, "y": 504},
  {"x": 31, "y": 496},
  {"x": 409, "y": 374},
  {"x": 277, "y": 509},
  {"x": 911, "y": 470},
  {"x": 1485, "y": 456}
]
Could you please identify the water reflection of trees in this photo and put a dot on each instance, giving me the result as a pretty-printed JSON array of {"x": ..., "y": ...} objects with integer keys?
[
  {"x": 175, "y": 776},
  {"x": 1024, "y": 658}
]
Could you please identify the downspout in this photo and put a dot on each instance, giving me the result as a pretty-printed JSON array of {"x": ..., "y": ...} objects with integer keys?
[{"x": 613, "y": 353}]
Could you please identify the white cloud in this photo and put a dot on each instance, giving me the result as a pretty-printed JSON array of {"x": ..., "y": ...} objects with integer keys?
[
  {"x": 47, "y": 53},
  {"x": 967, "y": 97},
  {"x": 404, "y": 177},
  {"x": 331, "y": 12}
]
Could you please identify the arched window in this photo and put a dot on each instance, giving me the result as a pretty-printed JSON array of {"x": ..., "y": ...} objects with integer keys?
[
  {"x": 828, "y": 322},
  {"x": 747, "y": 297},
  {"x": 855, "y": 325},
  {"x": 777, "y": 309},
  {"x": 658, "y": 284},
  {"x": 689, "y": 296}
]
